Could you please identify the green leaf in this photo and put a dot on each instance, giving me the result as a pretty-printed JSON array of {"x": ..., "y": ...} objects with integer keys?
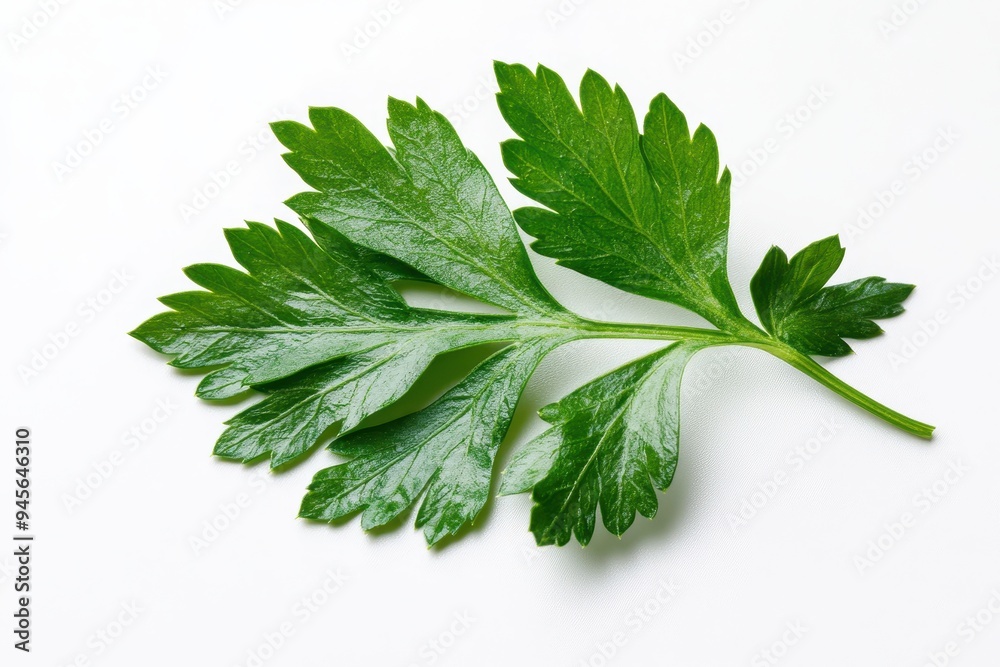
[
  {"x": 429, "y": 204},
  {"x": 316, "y": 326},
  {"x": 388, "y": 268},
  {"x": 444, "y": 453},
  {"x": 648, "y": 214},
  {"x": 296, "y": 306},
  {"x": 313, "y": 326},
  {"x": 796, "y": 308},
  {"x": 617, "y": 441},
  {"x": 299, "y": 409},
  {"x": 530, "y": 464}
]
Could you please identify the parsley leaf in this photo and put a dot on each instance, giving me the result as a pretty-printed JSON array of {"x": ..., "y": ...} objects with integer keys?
[
  {"x": 794, "y": 305},
  {"x": 648, "y": 214},
  {"x": 445, "y": 450},
  {"x": 314, "y": 323},
  {"x": 617, "y": 440},
  {"x": 299, "y": 306},
  {"x": 430, "y": 203}
]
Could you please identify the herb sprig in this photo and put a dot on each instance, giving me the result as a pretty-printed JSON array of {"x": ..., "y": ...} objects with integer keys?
[{"x": 314, "y": 322}]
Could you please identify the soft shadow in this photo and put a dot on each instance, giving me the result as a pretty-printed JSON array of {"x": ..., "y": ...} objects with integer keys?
[
  {"x": 352, "y": 521},
  {"x": 439, "y": 297},
  {"x": 674, "y": 508},
  {"x": 441, "y": 375}
]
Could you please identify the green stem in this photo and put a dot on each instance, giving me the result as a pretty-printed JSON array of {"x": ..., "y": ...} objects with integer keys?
[
  {"x": 749, "y": 335},
  {"x": 808, "y": 366},
  {"x": 655, "y": 332}
]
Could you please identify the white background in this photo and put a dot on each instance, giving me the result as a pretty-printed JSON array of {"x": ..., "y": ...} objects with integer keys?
[{"x": 222, "y": 75}]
